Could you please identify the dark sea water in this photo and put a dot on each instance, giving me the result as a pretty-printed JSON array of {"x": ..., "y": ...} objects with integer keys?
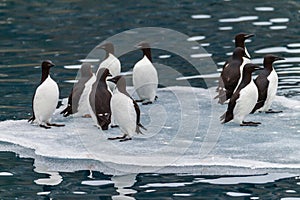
[{"x": 66, "y": 31}]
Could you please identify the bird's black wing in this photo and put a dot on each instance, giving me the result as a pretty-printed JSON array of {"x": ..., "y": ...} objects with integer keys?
[
  {"x": 262, "y": 84},
  {"x": 228, "y": 115}
]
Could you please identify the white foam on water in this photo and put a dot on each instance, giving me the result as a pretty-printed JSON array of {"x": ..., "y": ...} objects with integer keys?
[
  {"x": 262, "y": 23},
  {"x": 278, "y": 27},
  {"x": 277, "y": 50},
  {"x": 182, "y": 195},
  {"x": 279, "y": 20},
  {"x": 239, "y": 19},
  {"x": 43, "y": 193},
  {"x": 72, "y": 66},
  {"x": 79, "y": 192},
  {"x": 264, "y": 9},
  {"x": 183, "y": 126},
  {"x": 290, "y": 198},
  {"x": 164, "y": 56},
  {"x": 205, "y": 44},
  {"x": 201, "y": 16},
  {"x": 225, "y": 28},
  {"x": 6, "y": 174},
  {"x": 201, "y": 55},
  {"x": 286, "y": 59},
  {"x": 71, "y": 81},
  {"x": 237, "y": 194},
  {"x": 89, "y": 60},
  {"x": 290, "y": 191},
  {"x": 196, "y": 38},
  {"x": 294, "y": 45}
]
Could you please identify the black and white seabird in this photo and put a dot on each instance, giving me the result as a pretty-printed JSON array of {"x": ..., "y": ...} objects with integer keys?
[
  {"x": 232, "y": 73},
  {"x": 244, "y": 99},
  {"x": 99, "y": 100},
  {"x": 267, "y": 83},
  {"x": 45, "y": 98},
  {"x": 125, "y": 110},
  {"x": 111, "y": 62},
  {"x": 145, "y": 79},
  {"x": 239, "y": 42},
  {"x": 78, "y": 99}
]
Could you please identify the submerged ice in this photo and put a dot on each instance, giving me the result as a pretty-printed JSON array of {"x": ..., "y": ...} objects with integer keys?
[{"x": 183, "y": 135}]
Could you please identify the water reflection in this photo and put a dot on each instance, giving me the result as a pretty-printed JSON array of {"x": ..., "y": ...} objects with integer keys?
[{"x": 123, "y": 184}]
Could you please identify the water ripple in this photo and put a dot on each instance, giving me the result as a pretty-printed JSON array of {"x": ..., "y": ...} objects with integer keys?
[
  {"x": 277, "y": 50},
  {"x": 264, "y": 9},
  {"x": 239, "y": 19}
]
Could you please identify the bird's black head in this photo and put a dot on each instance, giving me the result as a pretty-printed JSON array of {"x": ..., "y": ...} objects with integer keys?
[
  {"x": 238, "y": 53},
  {"x": 143, "y": 45},
  {"x": 108, "y": 47},
  {"x": 103, "y": 73},
  {"x": 240, "y": 39},
  {"x": 243, "y": 36},
  {"x": 47, "y": 64},
  {"x": 269, "y": 59},
  {"x": 249, "y": 68},
  {"x": 115, "y": 79}
]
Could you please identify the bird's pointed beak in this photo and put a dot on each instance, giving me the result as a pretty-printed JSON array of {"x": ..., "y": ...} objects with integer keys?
[
  {"x": 137, "y": 46},
  {"x": 109, "y": 74},
  {"x": 249, "y": 36},
  {"x": 258, "y": 68},
  {"x": 110, "y": 80},
  {"x": 100, "y": 46},
  {"x": 52, "y": 64},
  {"x": 279, "y": 58}
]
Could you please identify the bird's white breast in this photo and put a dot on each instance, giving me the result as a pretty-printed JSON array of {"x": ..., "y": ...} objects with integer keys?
[
  {"x": 45, "y": 100},
  {"x": 89, "y": 84},
  {"x": 245, "y": 61},
  {"x": 272, "y": 89},
  {"x": 246, "y": 102},
  {"x": 124, "y": 113},
  {"x": 145, "y": 79},
  {"x": 83, "y": 104},
  {"x": 113, "y": 64}
]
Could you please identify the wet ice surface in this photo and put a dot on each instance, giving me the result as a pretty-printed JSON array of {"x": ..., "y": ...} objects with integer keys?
[{"x": 184, "y": 136}]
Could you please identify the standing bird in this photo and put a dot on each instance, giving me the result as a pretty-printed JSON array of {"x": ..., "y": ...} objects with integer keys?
[
  {"x": 243, "y": 100},
  {"x": 78, "y": 99},
  {"x": 145, "y": 79},
  {"x": 267, "y": 83},
  {"x": 125, "y": 110},
  {"x": 232, "y": 73},
  {"x": 110, "y": 62},
  {"x": 99, "y": 100},
  {"x": 239, "y": 42},
  {"x": 45, "y": 98}
]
